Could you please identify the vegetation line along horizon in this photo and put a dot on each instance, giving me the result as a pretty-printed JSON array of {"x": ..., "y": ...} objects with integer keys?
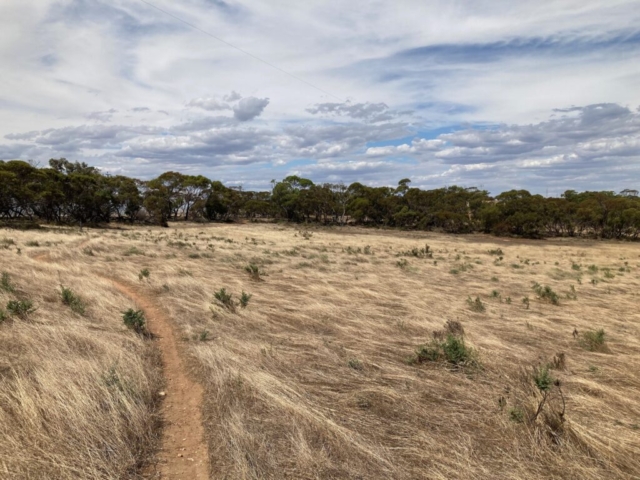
[{"x": 76, "y": 193}]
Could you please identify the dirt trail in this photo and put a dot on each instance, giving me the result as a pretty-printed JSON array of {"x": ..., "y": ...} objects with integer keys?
[{"x": 183, "y": 453}]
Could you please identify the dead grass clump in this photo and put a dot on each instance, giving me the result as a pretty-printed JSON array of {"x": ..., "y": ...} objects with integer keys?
[
  {"x": 594, "y": 340},
  {"x": 476, "y": 305}
]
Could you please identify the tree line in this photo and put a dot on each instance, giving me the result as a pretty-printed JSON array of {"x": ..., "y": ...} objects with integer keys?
[{"x": 76, "y": 193}]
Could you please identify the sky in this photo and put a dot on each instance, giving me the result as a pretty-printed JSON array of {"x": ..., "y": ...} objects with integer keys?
[{"x": 497, "y": 94}]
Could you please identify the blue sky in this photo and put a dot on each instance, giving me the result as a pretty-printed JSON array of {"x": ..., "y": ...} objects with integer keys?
[{"x": 499, "y": 94}]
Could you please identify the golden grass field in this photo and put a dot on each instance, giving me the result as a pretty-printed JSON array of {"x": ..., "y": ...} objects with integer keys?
[{"x": 311, "y": 379}]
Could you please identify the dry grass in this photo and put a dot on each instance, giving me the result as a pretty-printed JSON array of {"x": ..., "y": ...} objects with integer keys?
[
  {"x": 77, "y": 392},
  {"x": 311, "y": 380}
]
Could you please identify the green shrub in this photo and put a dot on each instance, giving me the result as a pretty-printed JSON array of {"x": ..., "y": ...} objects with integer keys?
[
  {"x": 497, "y": 251},
  {"x": 70, "y": 299},
  {"x": 418, "y": 252},
  {"x": 20, "y": 308},
  {"x": 450, "y": 350},
  {"x": 402, "y": 263},
  {"x": 244, "y": 299},
  {"x": 253, "y": 271},
  {"x": 5, "y": 283},
  {"x": 516, "y": 414},
  {"x": 495, "y": 294},
  {"x": 355, "y": 364},
  {"x": 32, "y": 243},
  {"x": 144, "y": 273},
  {"x": 476, "y": 305},
  {"x": 133, "y": 251},
  {"x": 225, "y": 299},
  {"x": 593, "y": 268},
  {"x": 594, "y": 340},
  {"x": 525, "y": 302},
  {"x": 575, "y": 266},
  {"x": 546, "y": 293},
  {"x": 3, "y": 315},
  {"x": 134, "y": 320}
]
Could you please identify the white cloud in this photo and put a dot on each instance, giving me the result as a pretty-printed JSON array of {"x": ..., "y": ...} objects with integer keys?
[
  {"x": 249, "y": 108},
  {"x": 110, "y": 81}
]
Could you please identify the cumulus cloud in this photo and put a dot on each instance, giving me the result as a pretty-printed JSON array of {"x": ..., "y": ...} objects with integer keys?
[
  {"x": 249, "y": 108},
  {"x": 104, "y": 116},
  {"x": 374, "y": 112},
  {"x": 209, "y": 103},
  {"x": 436, "y": 95}
]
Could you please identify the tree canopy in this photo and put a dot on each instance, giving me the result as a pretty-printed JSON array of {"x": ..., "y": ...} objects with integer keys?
[{"x": 76, "y": 193}]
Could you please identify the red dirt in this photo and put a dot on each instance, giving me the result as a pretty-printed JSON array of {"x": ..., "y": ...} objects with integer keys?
[{"x": 183, "y": 451}]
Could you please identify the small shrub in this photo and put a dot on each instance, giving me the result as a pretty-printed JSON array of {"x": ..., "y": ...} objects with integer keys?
[
  {"x": 495, "y": 294},
  {"x": 418, "y": 252},
  {"x": 32, "y": 243},
  {"x": 594, "y": 340},
  {"x": 5, "y": 283},
  {"x": 133, "y": 251},
  {"x": 608, "y": 273},
  {"x": 476, "y": 305},
  {"x": 3, "y": 315},
  {"x": 494, "y": 279},
  {"x": 20, "y": 308},
  {"x": 244, "y": 299},
  {"x": 497, "y": 252},
  {"x": 525, "y": 302},
  {"x": 508, "y": 300},
  {"x": 403, "y": 263},
  {"x": 546, "y": 293},
  {"x": 516, "y": 414},
  {"x": 134, "y": 320},
  {"x": 144, "y": 273},
  {"x": 225, "y": 299},
  {"x": 70, "y": 299},
  {"x": 88, "y": 251},
  {"x": 204, "y": 335},
  {"x": 253, "y": 271},
  {"x": 355, "y": 364},
  {"x": 593, "y": 269},
  {"x": 450, "y": 350},
  {"x": 575, "y": 266}
]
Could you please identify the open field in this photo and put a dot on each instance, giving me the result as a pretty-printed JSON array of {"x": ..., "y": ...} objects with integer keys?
[{"x": 315, "y": 378}]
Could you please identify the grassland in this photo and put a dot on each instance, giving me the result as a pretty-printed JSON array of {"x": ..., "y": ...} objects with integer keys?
[{"x": 318, "y": 376}]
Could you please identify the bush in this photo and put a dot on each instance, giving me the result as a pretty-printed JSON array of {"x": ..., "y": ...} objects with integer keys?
[
  {"x": 525, "y": 302},
  {"x": 3, "y": 315},
  {"x": 418, "y": 252},
  {"x": 402, "y": 263},
  {"x": 253, "y": 271},
  {"x": 134, "y": 320},
  {"x": 5, "y": 283},
  {"x": 476, "y": 305},
  {"x": 244, "y": 299},
  {"x": 594, "y": 340},
  {"x": 450, "y": 350},
  {"x": 144, "y": 273},
  {"x": 225, "y": 299},
  {"x": 546, "y": 293},
  {"x": 20, "y": 308},
  {"x": 355, "y": 364},
  {"x": 497, "y": 251},
  {"x": 70, "y": 299}
]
